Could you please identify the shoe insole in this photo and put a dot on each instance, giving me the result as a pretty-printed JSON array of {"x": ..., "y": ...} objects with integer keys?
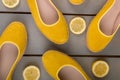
[
  {"x": 108, "y": 21},
  {"x": 69, "y": 73},
  {"x": 8, "y": 55},
  {"x": 47, "y": 12}
]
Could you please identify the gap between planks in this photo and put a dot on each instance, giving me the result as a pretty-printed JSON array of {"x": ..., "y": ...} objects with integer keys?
[
  {"x": 103, "y": 56},
  {"x": 30, "y": 13}
]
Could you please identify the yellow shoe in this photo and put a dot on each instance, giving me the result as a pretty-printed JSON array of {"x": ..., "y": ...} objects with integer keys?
[
  {"x": 54, "y": 61},
  {"x": 96, "y": 39},
  {"x": 76, "y": 2},
  {"x": 57, "y": 32},
  {"x": 16, "y": 34}
]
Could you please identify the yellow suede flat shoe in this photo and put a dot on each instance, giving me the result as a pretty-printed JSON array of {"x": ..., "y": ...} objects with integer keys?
[
  {"x": 54, "y": 61},
  {"x": 96, "y": 39},
  {"x": 56, "y": 32},
  {"x": 76, "y": 2},
  {"x": 15, "y": 34}
]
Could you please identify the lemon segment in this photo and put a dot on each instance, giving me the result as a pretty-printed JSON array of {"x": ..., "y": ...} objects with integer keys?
[
  {"x": 31, "y": 73},
  {"x": 100, "y": 68},
  {"x": 77, "y": 25},
  {"x": 10, "y": 3},
  {"x": 76, "y": 2}
]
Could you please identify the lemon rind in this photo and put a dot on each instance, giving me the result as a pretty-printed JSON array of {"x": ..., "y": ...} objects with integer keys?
[
  {"x": 18, "y": 1},
  {"x": 96, "y": 63},
  {"x": 84, "y": 23},
  {"x": 31, "y": 66}
]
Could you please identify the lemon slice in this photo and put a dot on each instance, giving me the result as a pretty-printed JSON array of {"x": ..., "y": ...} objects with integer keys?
[
  {"x": 100, "y": 68},
  {"x": 31, "y": 73},
  {"x": 76, "y": 2},
  {"x": 77, "y": 25},
  {"x": 10, "y": 3}
]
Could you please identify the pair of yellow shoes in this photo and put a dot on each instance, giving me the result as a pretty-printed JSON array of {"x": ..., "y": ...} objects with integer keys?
[
  {"x": 53, "y": 61},
  {"x": 59, "y": 34}
]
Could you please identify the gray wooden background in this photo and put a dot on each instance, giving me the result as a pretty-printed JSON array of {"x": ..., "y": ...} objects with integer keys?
[{"x": 75, "y": 47}]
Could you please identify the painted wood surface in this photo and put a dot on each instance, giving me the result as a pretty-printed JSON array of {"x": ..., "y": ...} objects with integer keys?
[{"x": 75, "y": 47}]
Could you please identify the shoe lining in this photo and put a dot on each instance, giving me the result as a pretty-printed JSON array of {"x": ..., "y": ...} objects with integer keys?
[
  {"x": 69, "y": 73},
  {"x": 47, "y": 12}
]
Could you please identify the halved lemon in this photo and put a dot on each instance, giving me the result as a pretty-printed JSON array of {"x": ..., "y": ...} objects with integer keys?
[
  {"x": 10, "y": 3},
  {"x": 76, "y": 2},
  {"x": 31, "y": 73},
  {"x": 100, "y": 68},
  {"x": 77, "y": 25}
]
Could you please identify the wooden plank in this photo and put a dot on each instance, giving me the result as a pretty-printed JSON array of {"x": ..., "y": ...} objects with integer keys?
[
  {"x": 88, "y": 7},
  {"x": 77, "y": 43},
  {"x": 36, "y": 41},
  {"x": 26, "y": 61},
  {"x": 38, "y": 44},
  {"x": 85, "y": 62},
  {"x": 22, "y": 7}
]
